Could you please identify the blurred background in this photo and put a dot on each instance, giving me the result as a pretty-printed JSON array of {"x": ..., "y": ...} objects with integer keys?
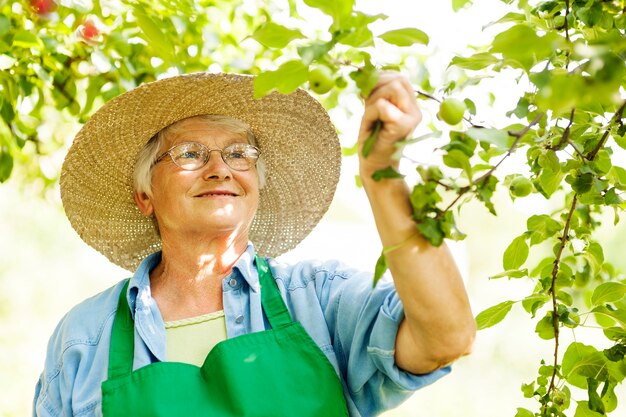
[{"x": 45, "y": 268}]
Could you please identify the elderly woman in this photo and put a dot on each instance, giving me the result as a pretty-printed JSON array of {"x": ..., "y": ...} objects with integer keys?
[{"x": 196, "y": 186}]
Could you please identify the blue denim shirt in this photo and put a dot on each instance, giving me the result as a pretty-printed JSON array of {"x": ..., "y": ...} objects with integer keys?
[{"x": 353, "y": 324}]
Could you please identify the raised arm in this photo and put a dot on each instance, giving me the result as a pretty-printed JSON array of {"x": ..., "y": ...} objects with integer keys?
[{"x": 438, "y": 326}]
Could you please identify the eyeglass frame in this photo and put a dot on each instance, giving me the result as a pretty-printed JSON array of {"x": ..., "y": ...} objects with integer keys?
[{"x": 208, "y": 152}]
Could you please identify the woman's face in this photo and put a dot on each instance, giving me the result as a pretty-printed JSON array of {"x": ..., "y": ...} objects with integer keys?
[{"x": 214, "y": 198}]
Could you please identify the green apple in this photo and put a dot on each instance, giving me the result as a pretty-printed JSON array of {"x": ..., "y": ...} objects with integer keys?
[
  {"x": 451, "y": 111},
  {"x": 520, "y": 187},
  {"x": 321, "y": 79}
]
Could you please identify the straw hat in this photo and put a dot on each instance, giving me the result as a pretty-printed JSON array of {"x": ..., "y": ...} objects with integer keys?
[{"x": 295, "y": 135}]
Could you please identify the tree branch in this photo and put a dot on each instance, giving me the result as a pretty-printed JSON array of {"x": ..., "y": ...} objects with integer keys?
[
  {"x": 567, "y": 8},
  {"x": 421, "y": 93},
  {"x": 552, "y": 291},
  {"x": 518, "y": 136},
  {"x": 616, "y": 118},
  {"x": 565, "y": 137}
]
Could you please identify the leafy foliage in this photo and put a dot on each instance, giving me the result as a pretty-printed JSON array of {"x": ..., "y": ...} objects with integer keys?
[{"x": 58, "y": 65}]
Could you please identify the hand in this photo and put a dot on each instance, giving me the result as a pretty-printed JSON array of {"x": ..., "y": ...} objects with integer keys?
[{"x": 392, "y": 101}]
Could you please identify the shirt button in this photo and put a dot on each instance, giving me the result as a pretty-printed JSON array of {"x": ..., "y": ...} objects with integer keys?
[
  {"x": 239, "y": 319},
  {"x": 232, "y": 282}
]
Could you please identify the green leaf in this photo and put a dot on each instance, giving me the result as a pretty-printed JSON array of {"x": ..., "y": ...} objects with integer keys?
[
  {"x": 381, "y": 267},
  {"x": 456, "y": 158},
  {"x": 431, "y": 230},
  {"x": 337, "y": 9},
  {"x": 619, "y": 314},
  {"x": 545, "y": 327},
  {"x": 365, "y": 78},
  {"x": 580, "y": 362},
  {"x": 6, "y": 166},
  {"x": 153, "y": 33},
  {"x": 595, "y": 403},
  {"x": 286, "y": 79},
  {"x": 542, "y": 227},
  {"x": 475, "y": 62},
  {"x": 582, "y": 183},
  {"x": 522, "y": 412},
  {"x": 388, "y": 173},
  {"x": 493, "y": 315},
  {"x": 273, "y": 35},
  {"x": 496, "y": 137},
  {"x": 405, "y": 37},
  {"x": 516, "y": 253},
  {"x": 618, "y": 176},
  {"x": 534, "y": 301},
  {"x": 513, "y": 273},
  {"x": 551, "y": 175},
  {"x": 521, "y": 44},
  {"x": 608, "y": 293},
  {"x": 370, "y": 141},
  {"x": 355, "y": 31},
  {"x": 349, "y": 151},
  {"x": 582, "y": 410},
  {"x": 5, "y": 25},
  {"x": 26, "y": 39},
  {"x": 459, "y": 4},
  {"x": 611, "y": 197},
  {"x": 485, "y": 190}
]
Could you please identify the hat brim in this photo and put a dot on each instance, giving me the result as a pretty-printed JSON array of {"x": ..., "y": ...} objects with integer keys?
[{"x": 297, "y": 139}]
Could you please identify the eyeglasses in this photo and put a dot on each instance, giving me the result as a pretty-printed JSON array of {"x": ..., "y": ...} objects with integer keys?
[{"x": 192, "y": 156}]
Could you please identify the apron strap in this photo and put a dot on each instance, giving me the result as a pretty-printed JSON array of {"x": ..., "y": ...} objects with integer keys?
[
  {"x": 122, "y": 339},
  {"x": 273, "y": 304}
]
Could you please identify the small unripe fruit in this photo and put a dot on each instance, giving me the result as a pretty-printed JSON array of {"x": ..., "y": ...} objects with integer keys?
[
  {"x": 559, "y": 21},
  {"x": 321, "y": 79},
  {"x": 451, "y": 111},
  {"x": 520, "y": 187},
  {"x": 341, "y": 82}
]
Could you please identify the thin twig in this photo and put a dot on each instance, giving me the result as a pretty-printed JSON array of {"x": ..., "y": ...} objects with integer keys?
[
  {"x": 552, "y": 291},
  {"x": 518, "y": 136},
  {"x": 421, "y": 93},
  {"x": 567, "y": 32},
  {"x": 565, "y": 136},
  {"x": 582, "y": 155},
  {"x": 616, "y": 118}
]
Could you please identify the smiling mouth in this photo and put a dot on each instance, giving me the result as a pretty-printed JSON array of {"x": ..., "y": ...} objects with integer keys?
[{"x": 217, "y": 194}]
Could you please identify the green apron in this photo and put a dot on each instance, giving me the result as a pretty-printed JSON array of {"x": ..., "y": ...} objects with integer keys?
[{"x": 273, "y": 373}]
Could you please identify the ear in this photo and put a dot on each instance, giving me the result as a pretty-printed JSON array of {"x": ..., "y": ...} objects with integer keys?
[{"x": 144, "y": 203}]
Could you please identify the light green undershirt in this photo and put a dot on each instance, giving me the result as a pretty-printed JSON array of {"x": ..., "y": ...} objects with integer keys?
[{"x": 190, "y": 340}]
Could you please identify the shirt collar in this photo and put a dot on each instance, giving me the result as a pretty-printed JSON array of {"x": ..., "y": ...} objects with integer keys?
[
  {"x": 140, "y": 281},
  {"x": 246, "y": 266}
]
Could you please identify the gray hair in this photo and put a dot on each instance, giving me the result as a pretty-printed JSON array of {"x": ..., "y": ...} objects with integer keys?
[{"x": 142, "y": 174}]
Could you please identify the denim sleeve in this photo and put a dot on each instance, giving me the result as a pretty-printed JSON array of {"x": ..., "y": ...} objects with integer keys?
[
  {"x": 76, "y": 359},
  {"x": 365, "y": 329}
]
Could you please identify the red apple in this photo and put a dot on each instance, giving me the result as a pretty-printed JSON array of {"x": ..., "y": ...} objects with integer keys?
[
  {"x": 90, "y": 30},
  {"x": 42, "y": 7}
]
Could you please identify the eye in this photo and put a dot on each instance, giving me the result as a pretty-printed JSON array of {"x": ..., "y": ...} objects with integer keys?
[
  {"x": 188, "y": 155},
  {"x": 239, "y": 151},
  {"x": 189, "y": 151}
]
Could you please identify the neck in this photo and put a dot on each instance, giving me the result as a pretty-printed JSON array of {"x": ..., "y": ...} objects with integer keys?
[{"x": 188, "y": 280}]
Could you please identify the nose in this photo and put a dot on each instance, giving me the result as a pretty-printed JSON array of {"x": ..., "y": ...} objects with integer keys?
[{"x": 215, "y": 167}]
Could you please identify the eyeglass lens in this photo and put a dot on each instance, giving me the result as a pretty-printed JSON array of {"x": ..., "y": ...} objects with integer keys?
[{"x": 192, "y": 155}]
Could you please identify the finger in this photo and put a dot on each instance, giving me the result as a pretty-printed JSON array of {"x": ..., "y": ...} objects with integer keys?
[
  {"x": 398, "y": 91},
  {"x": 397, "y": 124}
]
